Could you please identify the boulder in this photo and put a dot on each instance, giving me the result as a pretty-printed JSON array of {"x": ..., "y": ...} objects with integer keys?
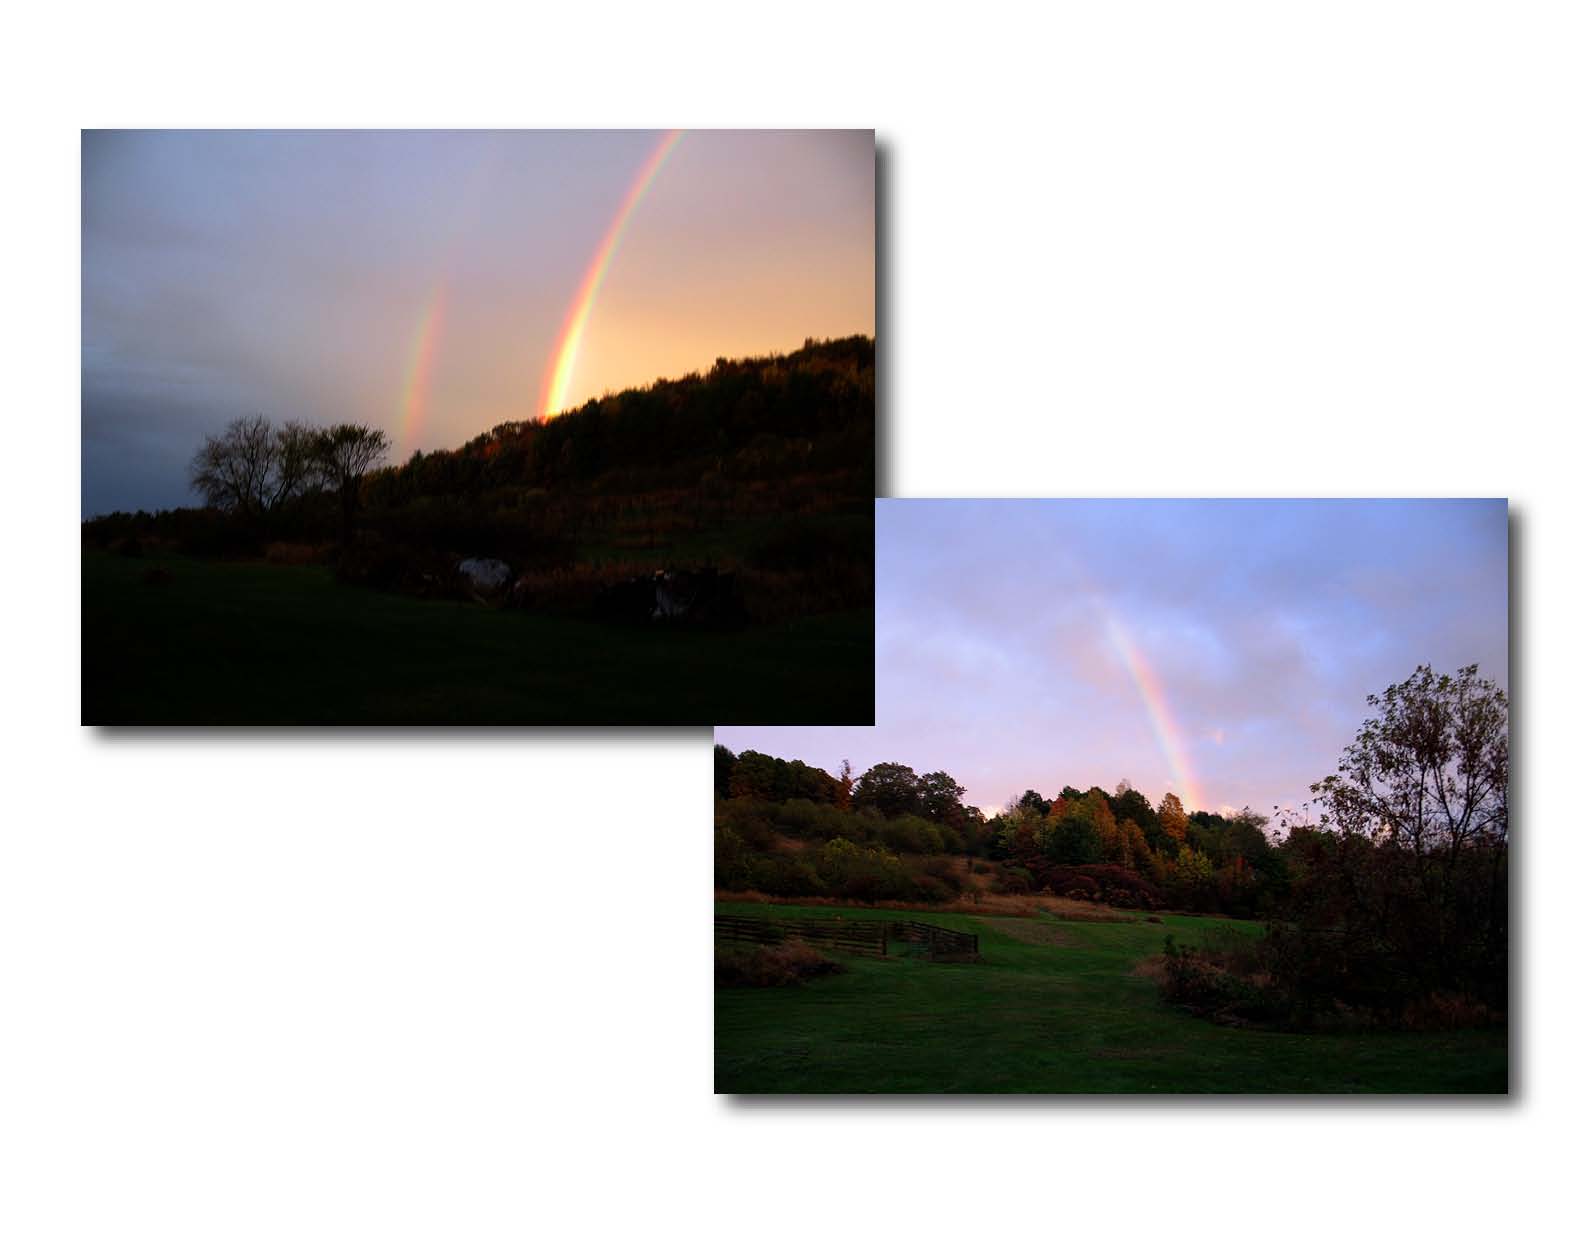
[{"x": 485, "y": 574}]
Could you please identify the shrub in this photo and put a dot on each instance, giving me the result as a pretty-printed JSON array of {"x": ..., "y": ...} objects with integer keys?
[
  {"x": 798, "y": 818},
  {"x": 906, "y": 833},
  {"x": 749, "y": 821},
  {"x": 790, "y": 962},
  {"x": 1445, "y": 1011},
  {"x": 279, "y": 552},
  {"x": 944, "y": 871},
  {"x": 866, "y": 874},
  {"x": 385, "y": 566},
  {"x": 1200, "y": 981},
  {"x": 1063, "y": 880},
  {"x": 1118, "y": 886},
  {"x": 784, "y": 876},
  {"x": 933, "y": 890}
]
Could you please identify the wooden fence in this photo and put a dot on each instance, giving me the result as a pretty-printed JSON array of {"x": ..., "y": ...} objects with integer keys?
[
  {"x": 859, "y": 937},
  {"x": 940, "y": 944}
]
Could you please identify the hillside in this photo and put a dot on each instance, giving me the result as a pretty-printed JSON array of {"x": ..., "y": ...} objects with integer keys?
[{"x": 698, "y": 551}]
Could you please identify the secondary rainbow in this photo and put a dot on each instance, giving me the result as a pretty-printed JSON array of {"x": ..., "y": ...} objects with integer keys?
[
  {"x": 418, "y": 375},
  {"x": 562, "y": 366},
  {"x": 1158, "y": 710}
]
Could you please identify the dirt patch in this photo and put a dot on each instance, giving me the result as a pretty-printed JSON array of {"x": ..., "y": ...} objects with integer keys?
[{"x": 1035, "y": 932}]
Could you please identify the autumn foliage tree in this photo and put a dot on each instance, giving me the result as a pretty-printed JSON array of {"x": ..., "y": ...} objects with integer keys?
[
  {"x": 844, "y": 786},
  {"x": 1402, "y": 892},
  {"x": 1171, "y": 817}
]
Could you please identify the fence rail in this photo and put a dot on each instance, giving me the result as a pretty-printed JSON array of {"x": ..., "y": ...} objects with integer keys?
[{"x": 859, "y": 937}]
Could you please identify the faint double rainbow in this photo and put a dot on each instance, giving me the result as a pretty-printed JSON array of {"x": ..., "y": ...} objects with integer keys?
[
  {"x": 418, "y": 372},
  {"x": 562, "y": 363}
]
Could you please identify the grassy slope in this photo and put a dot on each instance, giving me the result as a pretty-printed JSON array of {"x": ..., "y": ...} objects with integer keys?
[
  {"x": 1051, "y": 1018},
  {"x": 246, "y": 643}
]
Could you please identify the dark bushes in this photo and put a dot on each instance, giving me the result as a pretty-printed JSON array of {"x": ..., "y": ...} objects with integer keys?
[
  {"x": 386, "y": 566},
  {"x": 1223, "y": 983},
  {"x": 1110, "y": 884},
  {"x": 791, "y": 962}
]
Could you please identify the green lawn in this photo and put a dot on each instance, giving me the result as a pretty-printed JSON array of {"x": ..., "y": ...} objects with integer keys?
[
  {"x": 250, "y": 643},
  {"x": 1066, "y": 1014}
]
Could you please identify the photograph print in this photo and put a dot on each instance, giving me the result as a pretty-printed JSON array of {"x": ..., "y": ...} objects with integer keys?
[
  {"x": 467, "y": 428},
  {"x": 1162, "y": 797}
]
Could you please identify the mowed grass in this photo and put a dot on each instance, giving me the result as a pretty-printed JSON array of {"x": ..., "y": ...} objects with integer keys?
[
  {"x": 1064, "y": 1013},
  {"x": 251, "y": 643}
]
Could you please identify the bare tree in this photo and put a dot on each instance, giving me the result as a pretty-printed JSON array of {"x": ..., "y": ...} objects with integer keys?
[
  {"x": 233, "y": 471},
  {"x": 296, "y": 470},
  {"x": 252, "y": 468}
]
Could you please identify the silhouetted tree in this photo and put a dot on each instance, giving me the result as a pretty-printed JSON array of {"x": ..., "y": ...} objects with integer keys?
[
  {"x": 1033, "y": 800},
  {"x": 890, "y": 787},
  {"x": 343, "y": 454},
  {"x": 941, "y": 797},
  {"x": 1428, "y": 771},
  {"x": 724, "y": 762},
  {"x": 1403, "y": 893},
  {"x": 250, "y": 467}
]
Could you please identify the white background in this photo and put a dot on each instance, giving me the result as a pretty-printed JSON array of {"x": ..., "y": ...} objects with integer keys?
[{"x": 463, "y": 982}]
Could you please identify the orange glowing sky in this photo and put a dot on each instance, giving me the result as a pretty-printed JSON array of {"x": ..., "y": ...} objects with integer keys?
[{"x": 424, "y": 281}]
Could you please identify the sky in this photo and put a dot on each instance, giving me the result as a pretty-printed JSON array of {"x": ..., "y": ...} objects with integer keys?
[
  {"x": 1220, "y": 650},
  {"x": 424, "y": 282}
]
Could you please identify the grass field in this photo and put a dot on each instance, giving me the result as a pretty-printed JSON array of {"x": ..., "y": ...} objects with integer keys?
[
  {"x": 252, "y": 643},
  {"x": 1052, "y": 1007}
]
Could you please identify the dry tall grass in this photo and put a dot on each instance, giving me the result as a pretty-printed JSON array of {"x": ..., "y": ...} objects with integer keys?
[{"x": 966, "y": 905}]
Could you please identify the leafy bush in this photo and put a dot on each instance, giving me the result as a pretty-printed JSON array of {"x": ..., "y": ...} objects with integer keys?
[
  {"x": 946, "y": 872},
  {"x": 906, "y": 833},
  {"x": 790, "y": 962},
  {"x": 867, "y": 874},
  {"x": 1201, "y": 981},
  {"x": 749, "y": 821},
  {"x": 1070, "y": 882},
  {"x": 783, "y": 875}
]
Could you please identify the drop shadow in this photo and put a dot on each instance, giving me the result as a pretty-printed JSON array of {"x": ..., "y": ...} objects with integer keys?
[
  {"x": 551, "y": 734},
  {"x": 885, "y": 347}
]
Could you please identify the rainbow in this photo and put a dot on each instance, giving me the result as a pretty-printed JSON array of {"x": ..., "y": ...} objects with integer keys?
[
  {"x": 418, "y": 374},
  {"x": 1155, "y": 697},
  {"x": 563, "y": 362}
]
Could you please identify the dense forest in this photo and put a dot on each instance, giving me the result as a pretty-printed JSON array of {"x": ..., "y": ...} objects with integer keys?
[
  {"x": 886, "y": 833},
  {"x": 1388, "y": 902},
  {"x": 760, "y": 467}
]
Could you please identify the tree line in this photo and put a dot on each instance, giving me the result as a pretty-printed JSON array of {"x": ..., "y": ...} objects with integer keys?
[{"x": 762, "y": 466}]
